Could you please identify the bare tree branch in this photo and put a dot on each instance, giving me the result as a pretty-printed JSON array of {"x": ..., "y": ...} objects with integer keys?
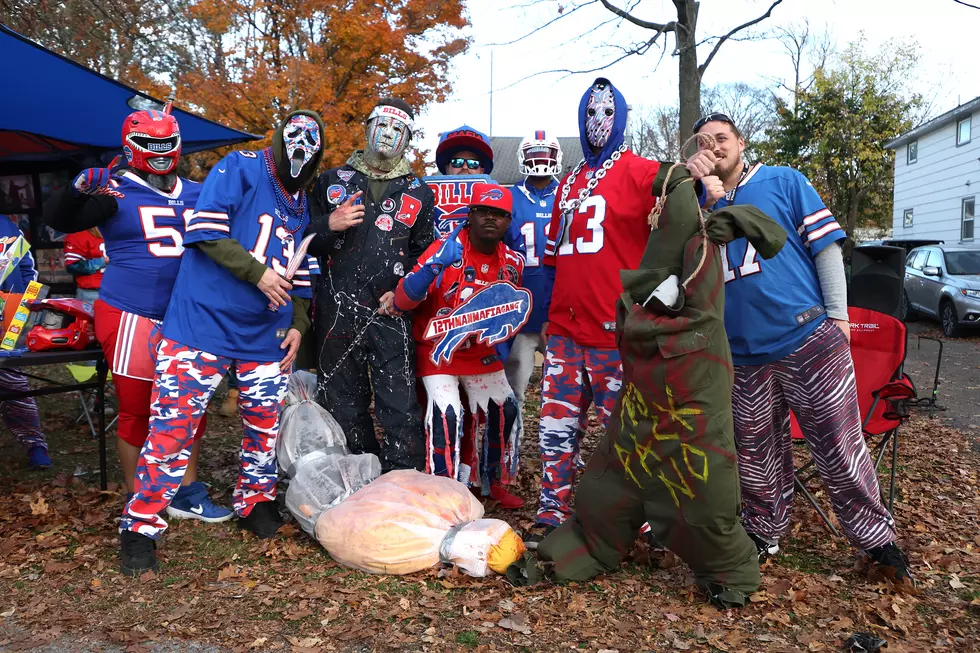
[
  {"x": 545, "y": 25},
  {"x": 658, "y": 27},
  {"x": 718, "y": 45},
  {"x": 642, "y": 49}
]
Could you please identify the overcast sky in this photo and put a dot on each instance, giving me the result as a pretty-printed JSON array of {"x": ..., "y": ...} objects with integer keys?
[{"x": 946, "y": 31}]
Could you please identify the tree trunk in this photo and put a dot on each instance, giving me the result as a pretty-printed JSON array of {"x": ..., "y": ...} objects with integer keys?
[{"x": 689, "y": 85}]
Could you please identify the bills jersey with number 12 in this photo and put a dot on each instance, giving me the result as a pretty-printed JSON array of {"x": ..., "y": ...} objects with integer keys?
[
  {"x": 144, "y": 242},
  {"x": 211, "y": 309},
  {"x": 606, "y": 233}
]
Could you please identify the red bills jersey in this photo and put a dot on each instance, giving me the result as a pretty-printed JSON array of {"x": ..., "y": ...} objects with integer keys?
[
  {"x": 458, "y": 282},
  {"x": 83, "y": 246},
  {"x": 607, "y": 233}
]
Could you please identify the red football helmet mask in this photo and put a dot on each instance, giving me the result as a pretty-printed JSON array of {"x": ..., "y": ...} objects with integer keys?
[
  {"x": 63, "y": 324},
  {"x": 151, "y": 140}
]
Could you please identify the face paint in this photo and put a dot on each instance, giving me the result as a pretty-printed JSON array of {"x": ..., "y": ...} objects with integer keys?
[
  {"x": 599, "y": 114},
  {"x": 389, "y": 130},
  {"x": 301, "y": 139}
]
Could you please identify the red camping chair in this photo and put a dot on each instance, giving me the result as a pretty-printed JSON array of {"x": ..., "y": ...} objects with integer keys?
[{"x": 878, "y": 346}]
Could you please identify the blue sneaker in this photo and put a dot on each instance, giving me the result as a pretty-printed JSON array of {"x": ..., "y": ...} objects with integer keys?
[
  {"x": 192, "y": 502},
  {"x": 37, "y": 458}
]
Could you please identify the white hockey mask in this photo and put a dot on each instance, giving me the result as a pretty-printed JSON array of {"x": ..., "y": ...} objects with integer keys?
[{"x": 389, "y": 130}]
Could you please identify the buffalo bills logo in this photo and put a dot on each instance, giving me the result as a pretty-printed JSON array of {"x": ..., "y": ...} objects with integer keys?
[
  {"x": 494, "y": 194},
  {"x": 453, "y": 195},
  {"x": 336, "y": 194},
  {"x": 346, "y": 175},
  {"x": 491, "y": 315}
]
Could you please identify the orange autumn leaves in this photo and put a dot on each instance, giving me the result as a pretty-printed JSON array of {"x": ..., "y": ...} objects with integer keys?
[{"x": 265, "y": 58}]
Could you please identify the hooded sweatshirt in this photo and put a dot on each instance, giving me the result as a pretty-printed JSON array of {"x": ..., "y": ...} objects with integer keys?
[{"x": 605, "y": 233}]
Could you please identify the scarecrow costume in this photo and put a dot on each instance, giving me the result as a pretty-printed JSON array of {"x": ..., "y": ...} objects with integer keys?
[{"x": 668, "y": 457}]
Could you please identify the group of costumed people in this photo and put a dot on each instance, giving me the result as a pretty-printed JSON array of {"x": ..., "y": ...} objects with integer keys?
[{"x": 692, "y": 304}]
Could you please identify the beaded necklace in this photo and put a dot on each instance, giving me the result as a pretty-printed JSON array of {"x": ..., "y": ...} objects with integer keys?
[{"x": 286, "y": 206}]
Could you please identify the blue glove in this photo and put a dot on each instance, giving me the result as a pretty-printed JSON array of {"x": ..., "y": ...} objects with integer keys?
[
  {"x": 95, "y": 181},
  {"x": 416, "y": 284}
]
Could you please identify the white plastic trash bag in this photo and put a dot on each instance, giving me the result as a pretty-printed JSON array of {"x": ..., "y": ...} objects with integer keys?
[
  {"x": 306, "y": 427},
  {"x": 323, "y": 480}
]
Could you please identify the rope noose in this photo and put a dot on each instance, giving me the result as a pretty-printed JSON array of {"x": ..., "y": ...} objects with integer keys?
[{"x": 705, "y": 141}]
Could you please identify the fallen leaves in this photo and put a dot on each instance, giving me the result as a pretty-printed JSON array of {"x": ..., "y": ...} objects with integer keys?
[
  {"x": 38, "y": 505},
  {"x": 516, "y": 621},
  {"x": 956, "y": 583}
]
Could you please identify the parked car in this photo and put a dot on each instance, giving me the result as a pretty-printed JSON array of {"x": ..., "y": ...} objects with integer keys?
[
  {"x": 943, "y": 281},
  {"x": 907, "y": 244}
]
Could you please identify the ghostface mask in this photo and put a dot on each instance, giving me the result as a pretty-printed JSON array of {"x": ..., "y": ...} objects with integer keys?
[{"x": 297, "y": 147}]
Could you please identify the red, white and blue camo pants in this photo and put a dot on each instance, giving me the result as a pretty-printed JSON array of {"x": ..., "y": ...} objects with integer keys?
[
  {"x": 573, "y": 377},
  {"x": 817, "y": 382},
  {"x": 185, "y": 380},
  {"x": 20, "y": 415}
]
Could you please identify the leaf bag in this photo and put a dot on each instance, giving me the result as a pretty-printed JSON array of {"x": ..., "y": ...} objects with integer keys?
[
  {"x": 306, "y": 426},
  {"x": 406, "y": 521},
  {"x": 323, "y": 480}
]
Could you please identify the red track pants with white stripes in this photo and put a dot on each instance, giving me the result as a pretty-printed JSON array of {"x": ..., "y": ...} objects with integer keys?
[{"x": 817, "y": 382}]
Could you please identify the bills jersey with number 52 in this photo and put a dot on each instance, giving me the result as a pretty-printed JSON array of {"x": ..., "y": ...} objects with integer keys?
[
  {"x": 211, "y": 309},
  {"x": 144, "y": 241},
  {"x": 605, "y": 234}
]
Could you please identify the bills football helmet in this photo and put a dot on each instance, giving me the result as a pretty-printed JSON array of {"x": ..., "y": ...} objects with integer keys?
[
  {"x": 151, "y": 140},
  {"x": 539, "y": 156},
  {"x": 62, "y": 324}
]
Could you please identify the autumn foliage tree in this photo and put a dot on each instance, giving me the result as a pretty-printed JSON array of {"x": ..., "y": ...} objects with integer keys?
[
  {"x": 837, "y": 134},
  {"x": 264, "y": 58},
  {"x": 247, "y": 63}
]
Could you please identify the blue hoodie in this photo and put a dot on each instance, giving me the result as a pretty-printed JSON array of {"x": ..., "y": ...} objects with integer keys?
[{"x": 618, "y": 134}]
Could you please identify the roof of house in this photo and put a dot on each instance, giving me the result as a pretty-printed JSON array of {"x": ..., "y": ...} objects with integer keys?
[
  {"x": 952, "y": 115},
  {"x": 506, "y": 170}
]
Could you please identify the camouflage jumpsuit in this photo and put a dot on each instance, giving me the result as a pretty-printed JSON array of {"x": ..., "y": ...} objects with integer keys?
[{"x": 668, "y": 456}]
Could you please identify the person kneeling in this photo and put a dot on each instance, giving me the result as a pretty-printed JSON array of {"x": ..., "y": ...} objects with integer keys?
[{"x": 449, "y": 273}]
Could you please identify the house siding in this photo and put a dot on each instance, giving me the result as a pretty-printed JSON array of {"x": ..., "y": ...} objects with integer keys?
[{"x": 936, "y": 184}]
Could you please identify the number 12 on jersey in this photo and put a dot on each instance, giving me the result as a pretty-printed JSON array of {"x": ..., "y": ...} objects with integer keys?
[{"x": 749, "y": 266}]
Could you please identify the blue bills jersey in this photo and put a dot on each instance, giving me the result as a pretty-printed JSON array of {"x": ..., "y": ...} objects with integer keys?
[
  {"x": 772, "y": 306},
  {"x": 532, "y": 220},
  {"x": 211, "y": 309},
  {"x": 144, "y": 242}
]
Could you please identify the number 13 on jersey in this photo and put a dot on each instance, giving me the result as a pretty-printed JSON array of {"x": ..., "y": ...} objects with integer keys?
[{"x": 595, "y": 208}]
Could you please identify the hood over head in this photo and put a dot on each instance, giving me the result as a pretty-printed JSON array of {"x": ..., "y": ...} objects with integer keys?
[{"x": 618, "y": 131}]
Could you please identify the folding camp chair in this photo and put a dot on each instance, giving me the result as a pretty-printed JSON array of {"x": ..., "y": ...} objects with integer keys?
[
  {"x": 885, "y": 392},
  {"x": 82, "y": 374}
]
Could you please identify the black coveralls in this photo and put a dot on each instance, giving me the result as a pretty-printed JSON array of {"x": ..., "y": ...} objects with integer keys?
[{"x": 359, "y": 266}]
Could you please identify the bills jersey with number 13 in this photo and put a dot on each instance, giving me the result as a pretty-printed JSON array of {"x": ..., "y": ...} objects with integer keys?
[
  {"x": 212, "y": 310},
  {"x": 607, "y": 233},
  {"x": 144, "y": 242}
]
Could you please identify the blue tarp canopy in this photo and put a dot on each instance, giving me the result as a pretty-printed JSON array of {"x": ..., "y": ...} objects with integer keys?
[{"x": 54, "y": 108}]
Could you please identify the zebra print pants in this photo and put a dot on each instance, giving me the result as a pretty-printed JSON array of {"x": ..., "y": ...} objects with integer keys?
[{"x": 817, "y": 382}]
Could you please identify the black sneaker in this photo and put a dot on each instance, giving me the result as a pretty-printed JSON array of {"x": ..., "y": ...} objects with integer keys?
[
  {"x": 537, "y": 533},
  {"x": 765, "y": 548},
  {"x": 892, "y": 564},
  {"x": 137, "y": 553},
  {"x": 263, "y": 521}
]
